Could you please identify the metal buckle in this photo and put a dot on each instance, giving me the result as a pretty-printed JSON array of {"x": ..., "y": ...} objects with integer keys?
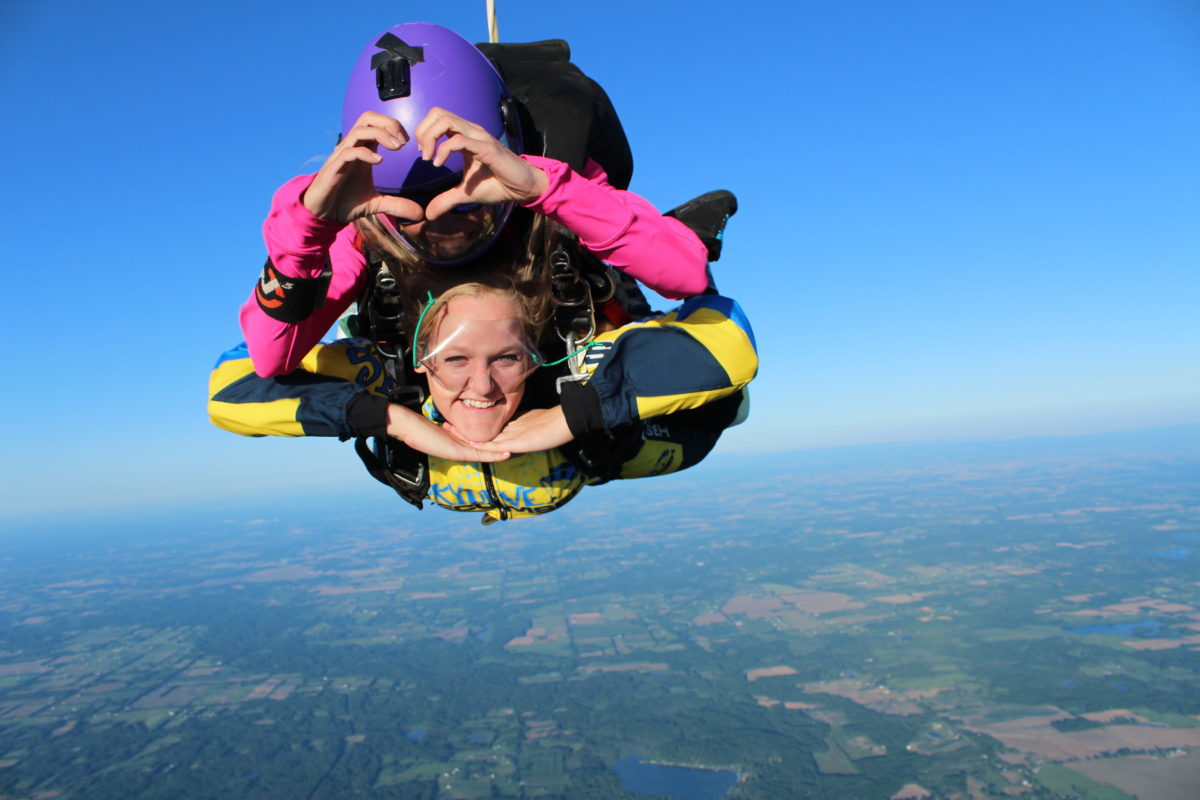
[{"x": 408, "y": 395}]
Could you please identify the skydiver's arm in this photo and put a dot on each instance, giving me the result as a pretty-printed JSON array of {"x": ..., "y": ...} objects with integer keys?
[
  {"x": 330, "y": 396},
  {"x": 620, "y": 227},
  {"x": 294, "y": 305},
  {"x": 323, "y": 399},
  {"x": 623, "y": 229},
  {"x": 701, "y": 352},
  {"x": 314, "y": 270}
]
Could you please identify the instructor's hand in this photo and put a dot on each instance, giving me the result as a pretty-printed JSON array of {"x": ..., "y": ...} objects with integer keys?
[
  {"x": 492, "y": 173},
  {"x": 344, "y": 189}
]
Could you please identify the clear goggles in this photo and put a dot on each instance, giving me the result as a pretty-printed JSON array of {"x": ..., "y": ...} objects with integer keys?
[
  {"x": 458, "y": 236},
  {"x": 481, "y": 354}
]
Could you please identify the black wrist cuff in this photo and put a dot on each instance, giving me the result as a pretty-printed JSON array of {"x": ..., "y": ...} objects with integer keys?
[
  {"x": 581, "y": 406},
  {"x": 290, "y": 299},
  {"x": 366, "y": 414}
]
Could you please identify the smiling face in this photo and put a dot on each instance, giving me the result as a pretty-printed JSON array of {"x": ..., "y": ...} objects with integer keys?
[{"x": 477, "y": 358}]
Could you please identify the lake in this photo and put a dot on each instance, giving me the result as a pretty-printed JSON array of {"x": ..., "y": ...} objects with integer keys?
[{"x": 682, "y": 783}]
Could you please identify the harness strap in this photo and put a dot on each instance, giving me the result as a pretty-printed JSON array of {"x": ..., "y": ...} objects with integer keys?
[
  {"x": 582, "y": 285},
  {"x": 379, "y": 318},
  {"x": 395, "y": 464}
]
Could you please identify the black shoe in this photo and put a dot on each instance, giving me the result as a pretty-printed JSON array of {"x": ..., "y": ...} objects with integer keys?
[{"x": 707, "y": 215}]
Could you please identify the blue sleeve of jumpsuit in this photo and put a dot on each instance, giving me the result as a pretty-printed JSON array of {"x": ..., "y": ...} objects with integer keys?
[
  {"x": 340, "y": 390},
  {"x": 698, "y": 353}
]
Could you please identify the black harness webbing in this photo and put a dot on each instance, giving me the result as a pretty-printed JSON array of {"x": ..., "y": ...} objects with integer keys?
[
  {"x": 395, "y": 464},
  {"x": 380, "y": 319}
]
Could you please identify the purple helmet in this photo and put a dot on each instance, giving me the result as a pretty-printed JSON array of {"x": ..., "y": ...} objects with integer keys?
[{"x": 408, "y": 70}]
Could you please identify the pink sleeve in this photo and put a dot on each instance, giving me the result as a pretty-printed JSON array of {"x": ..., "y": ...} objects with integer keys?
[
  {"x": 623, "y": 229},
  {"x": 299, "y": 245}
]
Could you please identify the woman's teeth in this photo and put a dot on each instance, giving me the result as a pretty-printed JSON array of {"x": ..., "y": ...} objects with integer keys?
[{"x": 479, "y": 403}]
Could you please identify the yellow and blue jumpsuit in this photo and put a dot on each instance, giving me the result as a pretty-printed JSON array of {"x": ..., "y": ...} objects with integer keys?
[{"x": 656, "y": 397}]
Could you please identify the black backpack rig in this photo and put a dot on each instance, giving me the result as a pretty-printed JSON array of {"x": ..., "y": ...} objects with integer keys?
[{"x": 567, "y": 116}]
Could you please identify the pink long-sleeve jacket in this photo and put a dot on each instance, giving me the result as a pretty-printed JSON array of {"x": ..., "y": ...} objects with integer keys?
[{"x": 621, "y": 228}]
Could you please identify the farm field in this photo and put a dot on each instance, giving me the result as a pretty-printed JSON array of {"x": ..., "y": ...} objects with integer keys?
[{"x": 955, "y": 628}]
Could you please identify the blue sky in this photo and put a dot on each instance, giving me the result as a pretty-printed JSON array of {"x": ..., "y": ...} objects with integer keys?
[{"x": 958, "y": 220}]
